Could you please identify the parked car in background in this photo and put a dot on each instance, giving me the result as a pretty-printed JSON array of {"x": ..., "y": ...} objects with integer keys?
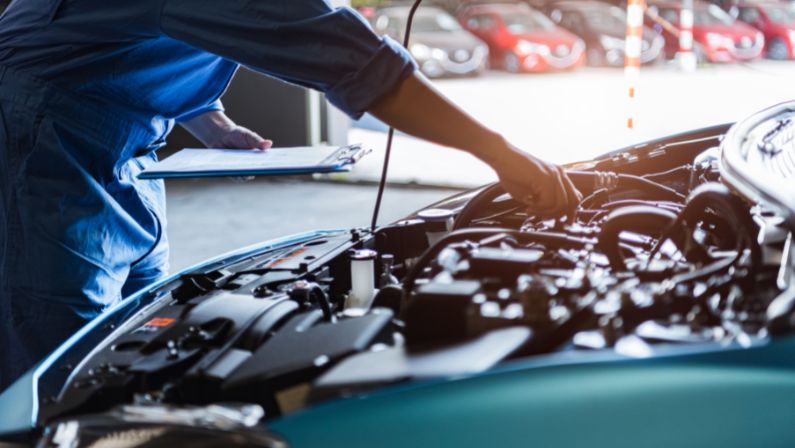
[
  {"x": 603, "y": 27},
  {"x": 438, "y": 42},
  {"x": 776, "y": 20},
  {"x": 522, "y": 39},
  {"x": 717, "y": 36}
]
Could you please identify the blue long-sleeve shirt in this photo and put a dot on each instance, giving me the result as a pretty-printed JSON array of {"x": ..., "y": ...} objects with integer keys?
[{"x": 174, "y": 58}]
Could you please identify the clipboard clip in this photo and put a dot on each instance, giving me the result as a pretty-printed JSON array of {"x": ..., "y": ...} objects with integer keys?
[{"x": 348, "y": 155}]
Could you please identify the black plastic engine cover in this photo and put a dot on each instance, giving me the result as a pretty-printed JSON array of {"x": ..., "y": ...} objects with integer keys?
[{"x": 306, "y": 345}]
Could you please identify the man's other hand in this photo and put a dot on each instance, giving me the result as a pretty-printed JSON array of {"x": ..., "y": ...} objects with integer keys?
[
  {"x": 215, "y": 130},
  {"x": 239, "y": 137}
]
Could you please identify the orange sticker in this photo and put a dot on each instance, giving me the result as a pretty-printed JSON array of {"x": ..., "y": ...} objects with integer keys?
[
  {"x": 156, "y": 324},
  {"x": 286, "y": 258},
  {"x": 160, "y": 322}
]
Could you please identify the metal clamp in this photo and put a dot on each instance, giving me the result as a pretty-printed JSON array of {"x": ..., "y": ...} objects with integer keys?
[{"x": 605, "y": 180}]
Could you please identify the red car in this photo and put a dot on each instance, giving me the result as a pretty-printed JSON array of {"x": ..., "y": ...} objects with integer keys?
[
  {"x": 717, "y": 36},
  {"x": 776, "y": 21},
  {"x": 522, "y": 39}
]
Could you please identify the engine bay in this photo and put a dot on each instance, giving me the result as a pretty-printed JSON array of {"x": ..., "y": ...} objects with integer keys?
[{"x": 660, "y": 254}]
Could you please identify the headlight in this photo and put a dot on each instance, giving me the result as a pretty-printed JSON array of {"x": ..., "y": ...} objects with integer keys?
[
  {"x": 611, "y": 43},
  {"x": 420, "y": 51},
  {"x": 438, "y": 54},
  {"x": 791, "y": 35},
  {"x": 525, "y": 47},
  {"x": 718, "y": 40}
]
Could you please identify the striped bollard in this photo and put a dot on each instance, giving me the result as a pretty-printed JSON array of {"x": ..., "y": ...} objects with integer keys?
[
  {"x": 633, "y": 44},
  {"x": 686, "y": 56}
]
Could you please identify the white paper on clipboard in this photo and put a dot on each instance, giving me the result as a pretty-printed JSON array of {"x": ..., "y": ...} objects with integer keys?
[{"x": 192, "y": 162}]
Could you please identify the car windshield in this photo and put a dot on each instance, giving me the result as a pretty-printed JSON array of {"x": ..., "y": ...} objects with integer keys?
[
  {"x": 608, "y": 20},
  {"x": 438, "y": 22},
  {"x": 527, "y": 22},
  {"x": 712, "y": 15},
  {"x": 780, "y": 14}
]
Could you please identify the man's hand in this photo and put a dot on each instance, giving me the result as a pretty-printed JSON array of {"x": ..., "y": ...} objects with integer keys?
[
  {"x": 239, "y": 137},
  {"x": 542, "y": 186},
  {"x": 216, "y": 130}
]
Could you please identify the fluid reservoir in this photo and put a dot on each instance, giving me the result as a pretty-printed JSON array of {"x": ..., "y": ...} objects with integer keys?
[
  {"x": 362, "y": 279},
  {"x": 438, "y": 223}
]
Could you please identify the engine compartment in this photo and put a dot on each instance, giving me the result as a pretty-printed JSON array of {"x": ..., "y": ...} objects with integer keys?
[{"x": 659, "y": 254}]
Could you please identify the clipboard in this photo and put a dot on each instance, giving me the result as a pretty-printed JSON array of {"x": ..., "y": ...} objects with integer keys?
[{"x": 195, "y": 162}]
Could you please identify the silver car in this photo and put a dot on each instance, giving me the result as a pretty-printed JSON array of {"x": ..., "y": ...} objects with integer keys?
[{"x": 439, "y": 44}]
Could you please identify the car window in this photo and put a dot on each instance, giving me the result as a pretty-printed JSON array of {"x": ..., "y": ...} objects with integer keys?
[
  {"x": 527, "y": 21},
  {"x": 712, "y": 15},
  {"x": 435, "y": 22},
  {"x": 749, "y": 15},
  {"x": 393, "y": 27},
  {"x": 556, "y": 15},
  {"x": 669, "y": 15},
  {"x": 381, "y": 24},
  {"x": 481, "y": 22},
  {"x": 610, "y": 19},
  {"x": 571, "y": 20},
  {"x": 780, "y": 14}
]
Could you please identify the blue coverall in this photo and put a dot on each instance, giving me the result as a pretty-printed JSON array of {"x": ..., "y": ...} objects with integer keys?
[{"x": 89, "y": 89}]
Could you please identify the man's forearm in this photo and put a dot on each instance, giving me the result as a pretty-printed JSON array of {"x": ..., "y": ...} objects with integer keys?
[{"x": 416, "y": 108}]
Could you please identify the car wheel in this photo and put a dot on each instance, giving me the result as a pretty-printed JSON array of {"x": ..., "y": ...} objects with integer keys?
[
  {"x": 595, "y": 57},
  {"x": 476, "y": 72},
  {"x": 777, "y": 49},
  {"x": 511, "y": 63},
  {"x": 660, "y": 60},
  {"x": 701, "y": 55}
]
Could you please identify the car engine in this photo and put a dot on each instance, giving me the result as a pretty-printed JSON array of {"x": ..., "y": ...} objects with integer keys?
[{"x": 660, "y": 255}]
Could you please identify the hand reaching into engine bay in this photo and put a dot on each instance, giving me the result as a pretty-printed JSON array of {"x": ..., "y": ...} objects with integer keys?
[
  {"x": 417, "y": 108},
  {"x": 215, "y": 130},
  {"x": 542, "y": 186}
]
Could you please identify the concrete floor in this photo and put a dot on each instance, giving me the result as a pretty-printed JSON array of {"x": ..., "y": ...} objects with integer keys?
[{"x": 209, "y": 217}]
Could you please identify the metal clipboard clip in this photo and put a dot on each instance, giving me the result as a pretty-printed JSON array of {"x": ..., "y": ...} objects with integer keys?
[{"x": 347, "y": 155}]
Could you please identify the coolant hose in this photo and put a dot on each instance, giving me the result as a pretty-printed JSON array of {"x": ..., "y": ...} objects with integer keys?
[
  {"x": 643, "y": 219},
  {"x": 595, "y": 180},
  {"x": 546, "y": 238}
]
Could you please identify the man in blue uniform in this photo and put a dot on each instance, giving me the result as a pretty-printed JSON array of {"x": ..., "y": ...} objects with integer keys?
[{"x": 89, "y": 89}]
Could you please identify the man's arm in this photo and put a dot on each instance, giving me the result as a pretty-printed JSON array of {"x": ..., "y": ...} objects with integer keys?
[
  {"x": 416, "y": 108},
  {"x": 309, "y": 43}
]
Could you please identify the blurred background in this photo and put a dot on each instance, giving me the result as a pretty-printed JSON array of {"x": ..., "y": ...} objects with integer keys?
[{"x": 549, "y": 75}]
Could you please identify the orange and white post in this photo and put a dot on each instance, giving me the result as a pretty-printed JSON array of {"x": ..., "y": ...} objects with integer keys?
[
  {"x": 686, "y": 56},
  {"x": 633, "y": 45}
]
